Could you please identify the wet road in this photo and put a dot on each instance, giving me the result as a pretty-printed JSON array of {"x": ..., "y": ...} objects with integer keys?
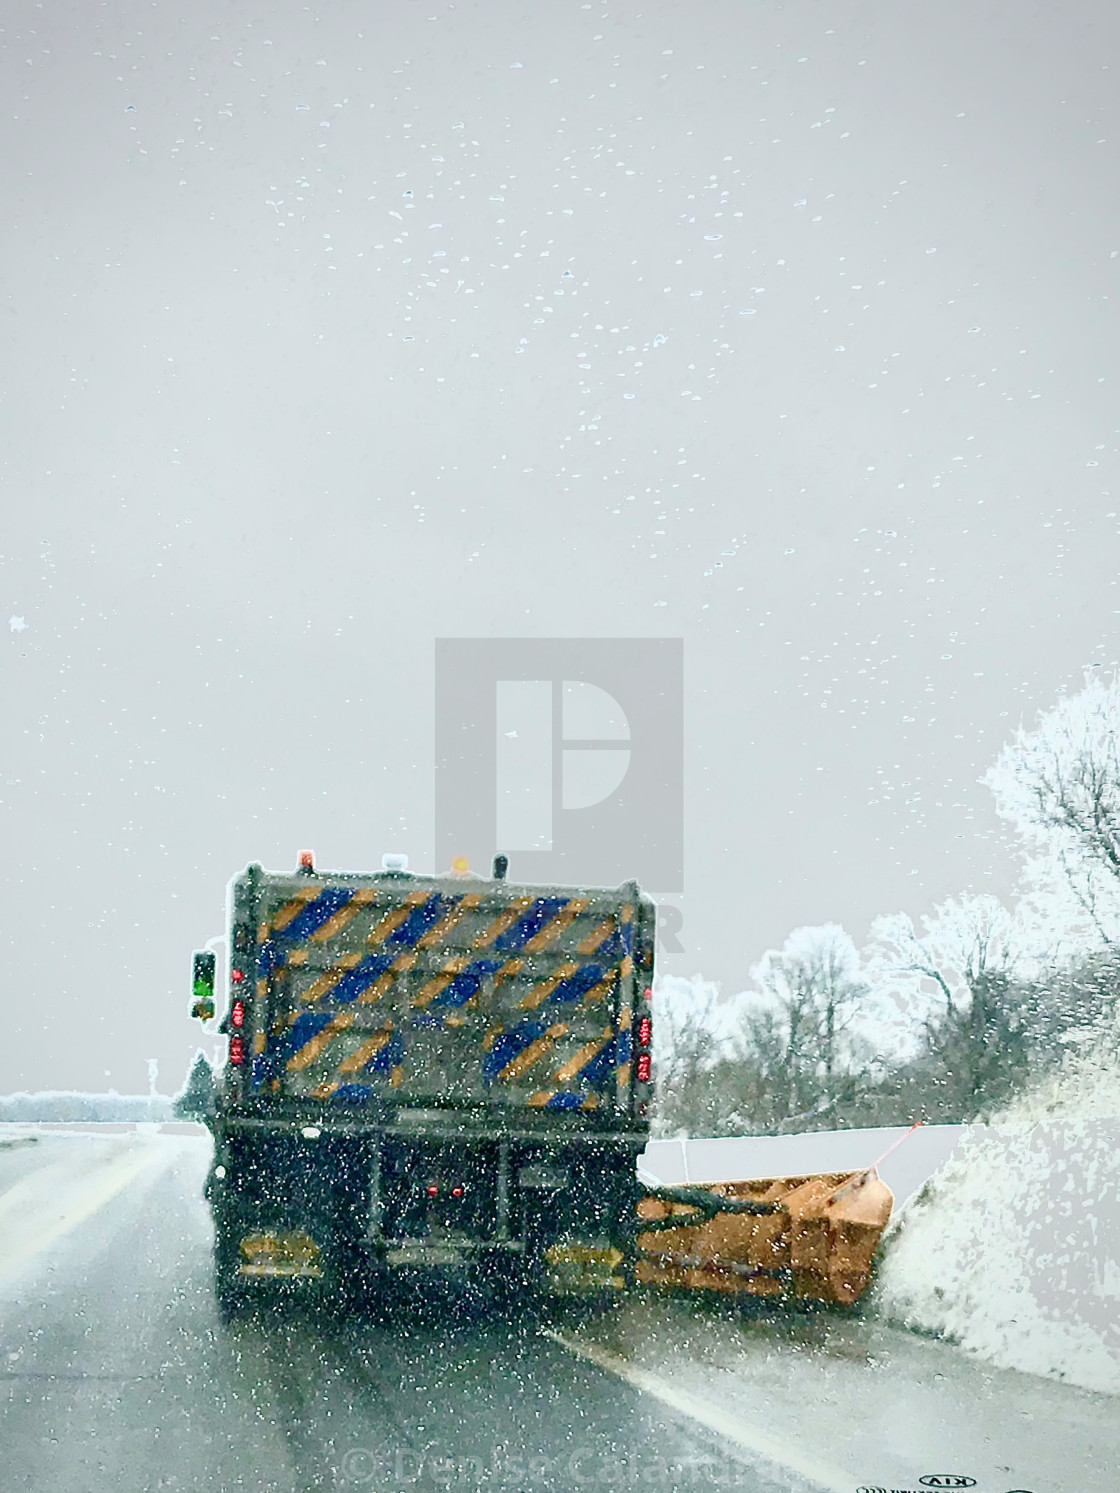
[{"x": 117, "y": 1375}]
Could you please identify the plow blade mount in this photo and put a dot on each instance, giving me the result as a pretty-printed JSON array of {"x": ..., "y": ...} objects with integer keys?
[{"x": 810, "y": 1237}]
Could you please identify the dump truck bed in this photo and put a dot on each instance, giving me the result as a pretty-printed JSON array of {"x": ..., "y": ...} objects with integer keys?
[{"x": 450, "y": 991}]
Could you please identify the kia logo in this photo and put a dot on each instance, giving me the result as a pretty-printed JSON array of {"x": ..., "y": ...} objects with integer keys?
[{"x": 946, "y": 1480}]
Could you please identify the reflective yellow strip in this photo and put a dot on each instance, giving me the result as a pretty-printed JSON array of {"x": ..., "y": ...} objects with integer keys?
[
  {"x": 374, "y": 992},
  {"x": 396, "y": 1078},
  {"x": 291, "y": 910},
  {"x": 299, "y": 956},
  {"x": 344, "y": 915},
  {"x": 503, "y": 921},
  {"x": 492, "y": 1036},
  {"x": 554, "y": 928},
  {"x": 589, "y": 1050},
  {"x": 405, "y": 960},
  {"x": 320, "y": 1042},
  {"x": 533, "y": 1053},
  {"x": 398, "y": 915},
  {"x": 602, "y": 990},
  {"x": 541, "y": 1098},
  {"x": 361, "y": 1055},
  {"x": 331, "y": 978},
  {"x": 627, "y": 912},
  {"x": 507, "y": 971},
  {"x": 627, "y": 966},
  {"x": 623, "y": 1075},
  {"x": 428, "y": 992},
  {"x": 591, "y": 1102},
  {"x": 540, "y": 993},
  {"x": 325, "y": 1090},
  {"x": 262, "y": 988},
  {"x": 597, "y": 936},
  {"x": 445, "y": 925},
  {"x": 624, "y": 1019},
  {"x": 260, "y": 1042}
]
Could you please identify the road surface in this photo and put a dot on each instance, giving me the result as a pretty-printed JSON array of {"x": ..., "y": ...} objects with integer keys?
[{"x": 118, "y": 1375}]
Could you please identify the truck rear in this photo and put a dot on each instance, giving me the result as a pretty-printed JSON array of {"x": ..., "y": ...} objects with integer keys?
[{"x": 430, "y": 1073}]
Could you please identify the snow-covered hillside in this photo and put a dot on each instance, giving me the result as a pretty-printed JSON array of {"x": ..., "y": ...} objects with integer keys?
[{"x": 1013, "y": 1249}]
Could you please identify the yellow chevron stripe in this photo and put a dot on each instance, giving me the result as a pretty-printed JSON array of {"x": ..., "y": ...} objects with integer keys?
[
  {"x": 325, "y": 1090},
  {"x": 503, "y": 921},
  {"x": 627, "y": 912},
  {"x": 623, "y": 1075},
  {"x": 373, "y": 993},
  {"x": 396, "y": 1077},
  {"x": 507, "y": 971},
  {"x": 299, "y": 956},
  {"x": 331, "y": 977},
  {"x": 454, "y": 917},
  {"x": 398, "y": 915},
  {"x": 591, "y": 1102},
  {"x": 492, "y": 1036},
  {"x": 320, "y": 1042},
  {"x": 553, "y": 929},
  {"x": 533, "y": 1053},
  {"x": 625, "y": 1017},
  {"x": 429, "y": 991},
  {"x": 291, "y": 910},
  {"x": 361, "y": 898},
  {"x": 598, "y": 935},
  {"x": 260, "y": 1042},
  {"x": 262, "y": 988},
  {"x": 580, "y": 1059},
  {"x": 540, "y": 993},
  {"x": 541, "y": 1098},
  {"x": 602, "y": 990},
  {"x": 368, "y": 1049}
]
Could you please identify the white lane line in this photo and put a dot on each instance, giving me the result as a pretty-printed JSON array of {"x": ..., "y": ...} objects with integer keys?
[
  {"x": 723, "y": 1422},
  {"x": 49, "y": 1202}
]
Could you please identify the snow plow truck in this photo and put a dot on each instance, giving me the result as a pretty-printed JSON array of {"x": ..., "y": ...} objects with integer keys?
[{"x": 453, "y": 1073}]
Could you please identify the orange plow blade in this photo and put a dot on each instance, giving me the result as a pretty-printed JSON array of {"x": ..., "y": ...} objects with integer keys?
[{"x": 811, "y": 1237}]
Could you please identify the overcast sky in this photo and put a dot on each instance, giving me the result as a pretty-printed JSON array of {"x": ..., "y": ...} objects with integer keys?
[{"x": 789, "y": 330}]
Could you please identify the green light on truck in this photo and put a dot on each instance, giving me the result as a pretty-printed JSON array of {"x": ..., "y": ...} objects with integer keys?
[{"x": 203, "y": 986}]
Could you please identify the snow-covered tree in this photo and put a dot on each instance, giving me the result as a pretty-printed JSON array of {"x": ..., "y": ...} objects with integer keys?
[
  {"x": 805, "y": 1016},
  {"x": 970, "y": 1016},
  {"x": 1059, "y": 786},
  {"x": 196, "y": 1099}
]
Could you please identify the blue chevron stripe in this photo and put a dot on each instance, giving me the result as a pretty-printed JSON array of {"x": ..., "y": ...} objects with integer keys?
[
  {"x": 315, "y": 914},
  {"x": 543, "y": 910}
]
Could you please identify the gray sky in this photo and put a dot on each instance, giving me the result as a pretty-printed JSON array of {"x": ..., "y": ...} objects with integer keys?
[{"x": 789, "y": 330}]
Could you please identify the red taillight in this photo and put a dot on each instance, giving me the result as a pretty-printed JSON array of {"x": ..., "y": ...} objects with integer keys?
[
  {"x": 456, "y": 1192},
  {"x": 433, "y": 1190},
  {"x": 645, "y": 1067},
  {"x": 237, "y": 1014},
  {"x": 645, "y": 1031},
  {"x": 237, "y": 1050},
  {"x": 237, "y": 975}
]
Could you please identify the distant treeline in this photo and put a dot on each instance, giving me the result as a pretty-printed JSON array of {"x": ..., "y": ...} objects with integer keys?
[{"x": 58, "y": 1105}]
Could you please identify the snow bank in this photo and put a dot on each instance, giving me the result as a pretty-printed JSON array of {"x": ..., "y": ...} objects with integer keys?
[{"x": 1013, "y": 1249}]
